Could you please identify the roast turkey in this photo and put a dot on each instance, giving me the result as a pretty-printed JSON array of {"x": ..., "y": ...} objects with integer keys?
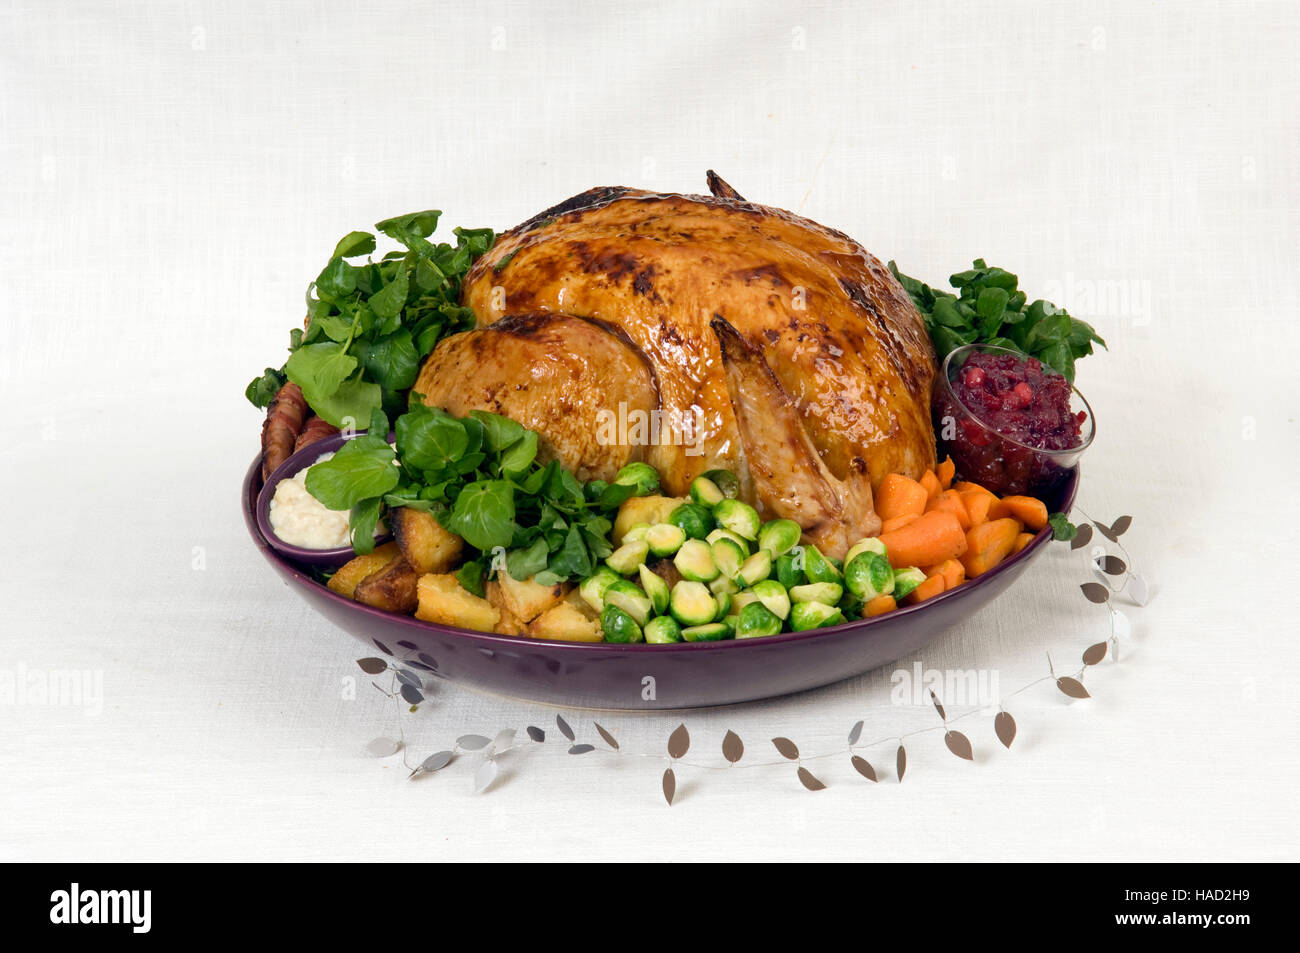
[{"x": 696, "y": 332}]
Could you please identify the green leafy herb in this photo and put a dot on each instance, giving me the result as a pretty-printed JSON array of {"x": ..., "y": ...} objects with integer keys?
[
  {"x": 371, "y": 323},
  {"x": 480, "y": 477},
  {"x": 989, "y": 309},
  {"x": 1062, "y": 528}
]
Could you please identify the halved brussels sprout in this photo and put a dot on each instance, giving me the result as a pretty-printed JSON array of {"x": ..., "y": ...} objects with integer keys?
[
  {"x": 619, "y": 626},
  {"x": 740, "y": 518},
  {"x": 691, "y": 603},
  {"x": 725, "y": 481},
  {"x": 695, "y": 561},
  {"x": 818, "y": 568},
  {"x": 593, "y": 587},
  {"x": 662, "y": 630},
  {"x": 664, "y": 538},
  {"x": 827, "y": 592},
  {"x": 695, "y": 521},
  {"x": 705, "y": 492},
  {"x": 814, "y": 615},
  {"x": 637, "y": 533},
  {"x": 656, "y": 588},
  {"x": 756, "y": 568},
  {"x": 757, "y": 620},
  {"x": 905, "y": 580},
  {"x": 629, "y": 597},
  {"x": 870, "y": 544},
  {"x": 789, "y": 571},
  {"x": 709, "y": 632},
  {"x": 774, "y": 596},
  {"x": 628, "y": 557},
  {"x": 779, "y": 536},
  {"x": 728, "y": 555},
  {"x": 640, "y": 475},
  {"x": 869, "y": 575}
]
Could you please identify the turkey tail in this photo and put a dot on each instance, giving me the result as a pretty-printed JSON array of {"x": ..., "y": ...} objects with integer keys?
[
  {"x": 790, "y": 478},
  {"x": 721, "y": 189}
]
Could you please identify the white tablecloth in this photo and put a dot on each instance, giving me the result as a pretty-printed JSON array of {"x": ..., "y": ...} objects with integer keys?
[{"x": 175, "y": 174}]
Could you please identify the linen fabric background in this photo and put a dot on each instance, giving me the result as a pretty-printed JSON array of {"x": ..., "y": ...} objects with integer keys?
[{"x": 175, "y": 174}]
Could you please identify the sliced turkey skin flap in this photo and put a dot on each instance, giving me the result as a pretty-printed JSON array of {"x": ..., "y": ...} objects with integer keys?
[{"x": 836, "y": 339}]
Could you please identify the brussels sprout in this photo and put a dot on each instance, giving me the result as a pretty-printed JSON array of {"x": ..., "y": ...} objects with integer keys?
[
  {"x": 637, "y": 533},
  {"x": 691, "y": 603},
  {"x": 779, "y": 536},
  {"x": 827, "y": 592},
  {"x": 773, "y": 595},
  {"x": 905, "y": 580},
  {"x": 741, "y": 599},
  {"x": 723, "y": 584},
  {"x": 695, "y": 561},
  {"x": 869, "y": 575},
  {"x": 756, "y": 568},
  {"x": 730, "y": 622},
  {"x": 619, "y": 626},
  {"x": 663, "y": 629},
  {"x": 740, "y": 518},
  {"x": 627, "y": 557},
  {"x": 593, "y": 587},
  {"x": 656, "y": 588},
  {"x": 814, "y": 615},
  {"x": 705, "y": 492},
  {"x": 664, "y": 538},
  {"x": 725, "y": 481},
  {"x": 756, "y": 620},
  {"x": 640, "y": 475},
  {"x": 788, "y": 572},
  {"x": 710, "y": 632},
  {"x": 695, "y": 521},
  {"x": 820, "y": 569},
  {"x": 868, "y": 545},
  {"x": 723, "y": 599},
  {"x": 728, "y": 556},
  {"x": 718, "y": 534},
  {"x": 629, "y": 597}
]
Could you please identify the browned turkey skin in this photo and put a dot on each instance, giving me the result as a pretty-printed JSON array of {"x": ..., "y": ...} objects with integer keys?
[{"x": 780, "y": 349}]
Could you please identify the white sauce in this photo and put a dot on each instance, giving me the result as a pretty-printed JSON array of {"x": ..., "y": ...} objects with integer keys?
[{"x": 300, "y": 519}]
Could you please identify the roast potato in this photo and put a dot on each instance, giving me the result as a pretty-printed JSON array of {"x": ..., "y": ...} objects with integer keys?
[
  {"x": 526, "y": 599},
  {"x": 345, "y": 580},
  {"x": 443, "y": 600},
  {"x": 565, "y": 622},
  {"x": 425, "y": 544},
  {"x": 510, "y": 623},
  {"x": 391, "y": 588}
]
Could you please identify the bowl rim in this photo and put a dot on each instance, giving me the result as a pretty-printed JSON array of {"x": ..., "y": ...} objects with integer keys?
[
  {"x": 251, "y": 491},
  {"x": 286, "y": 470},
  {"x": 946, "y": 382}
]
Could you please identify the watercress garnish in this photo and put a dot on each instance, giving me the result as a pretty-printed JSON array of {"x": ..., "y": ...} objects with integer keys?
[
  {"x": 370, "y": 323},
  {"x": 989, "y": 309}
]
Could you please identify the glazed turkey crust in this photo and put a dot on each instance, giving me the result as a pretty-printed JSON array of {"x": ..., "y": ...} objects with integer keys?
[{"x": 835, "y": 327}]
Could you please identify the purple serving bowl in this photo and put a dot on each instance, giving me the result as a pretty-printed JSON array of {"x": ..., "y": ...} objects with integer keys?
[
  {"x": 322, "y": 558},
  {"x": 648, "y": 677}
]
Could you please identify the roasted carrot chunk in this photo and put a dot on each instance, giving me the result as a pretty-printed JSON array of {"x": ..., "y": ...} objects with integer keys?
[
  {"x": 978, "y": 503},
  {"x": 949, "y": 501},
  {"x": 953, "y": 572},
  {"x": 898, "y": 522},
  {"x": 1031, "y": 512},
  {"x": 925, "y": 541},
  {"x": 987, "y": 544},
  {"x": 900, "y": 496},
  {"x": 926, "y": 590},
  {"x": 931, "y": 483},
  {"x": 1022, "y": 540},
  {"x": 947, "y": 470},
  {"x": 879, "y": 606}
]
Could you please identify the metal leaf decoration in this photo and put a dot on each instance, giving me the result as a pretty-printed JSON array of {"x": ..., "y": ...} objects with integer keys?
[
  {"x": 606, "y": 736},
  {"x": 472, "y": 742},
  {"x": 1095, "y": 592},
  {"x": 382, "y": 647},
  {"x": 372, "y": 666},
  {"x": 581, "y": 749},
  {"x": 1121, "y": 525},
  {"x": 536, "y": 734},
  {"x": 504, "y": 740},
  {"x": 1094, "y": 653},
  {"x": 1083, "y": 538},
  {"x": 900, "y": 762},
  {"x": 679, "y": 742},
  {"x": 1111, "y": 565},
  {"x": 437, "y": 761},
  {"x": 855, "y": 733},
  {"x": 787, "y": 748},
  {"x": 958, "y": 744},
  {"x": 383, "y": 747},
  {"x": 733, "y": 749},
  {"x": 1137, "y": 589},
  {"x": 428, "y": 659},
  {"x": 670, "y": 785},
  {"x": 809, "y": 781},
  {"x": 1072, "y": 687},
  {"x": 937, "y": 706},
  {"x": 1005, "y": 728},
  {"x": 484, "y": 776},
  {"x": 1120, "y": 626},
  {"x": 407, "y": 645},
  {"x": 863, "y": 767},
  {"x": 407, "y": 677},
  {"x": 412, "y": 695},
  {"x": 564, "y": 728}
]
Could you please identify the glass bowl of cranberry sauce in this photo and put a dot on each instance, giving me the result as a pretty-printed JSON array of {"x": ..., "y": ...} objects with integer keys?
[{"x": 1011, "y": 423}]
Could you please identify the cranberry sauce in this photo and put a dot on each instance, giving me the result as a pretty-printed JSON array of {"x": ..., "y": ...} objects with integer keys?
[{"x": 1006, "y": 396}]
